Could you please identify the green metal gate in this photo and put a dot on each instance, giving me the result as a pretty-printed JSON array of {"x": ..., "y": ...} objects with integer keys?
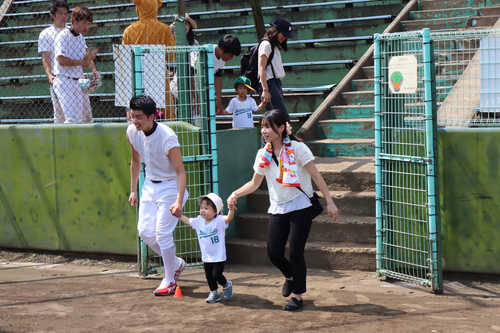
[
  {"x": 407, "y": 205},
  {"x": 189, "y": 94}
]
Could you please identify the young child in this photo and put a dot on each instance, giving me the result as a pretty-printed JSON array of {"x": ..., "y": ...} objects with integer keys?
[
  {"x": 241, "y": 107},
  {"x": 211, "y": 226}
]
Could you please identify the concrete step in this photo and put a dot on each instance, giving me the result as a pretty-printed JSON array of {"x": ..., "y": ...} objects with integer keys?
[
  {"x": 443, "y": 13},
  {"x": 363, "y": 84},
  {"x": 452, "y": 23},
  {"x": 329, "y": 256},
  {"x": 347, "y": 128},
  {"x": 347, "y": 173},
  {"x": 352, "y": 111},
  {"x": 347, "y": 228},
  {"x": 369, "y": 71},
  {"x": 446, "y": 4},
  {"x": 358, "y": 97},
  {"x": 348, "y": 202},
  {"x": 342, "y": 147}
]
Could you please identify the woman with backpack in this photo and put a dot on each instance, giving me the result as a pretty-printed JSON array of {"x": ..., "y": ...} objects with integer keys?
[{"x": 270, "y": 75}]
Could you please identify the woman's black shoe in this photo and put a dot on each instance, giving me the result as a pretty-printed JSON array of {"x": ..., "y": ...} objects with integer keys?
[
  {"x": 287, "y": 288},
  {"x": 294, "y": 304}
]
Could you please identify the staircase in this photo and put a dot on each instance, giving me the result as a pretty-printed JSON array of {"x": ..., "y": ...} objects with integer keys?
[
  {"x": 346, "y": 244},
  {"x": 348, "y": 129}
]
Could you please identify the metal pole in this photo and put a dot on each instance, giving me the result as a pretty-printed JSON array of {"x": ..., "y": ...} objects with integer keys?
[
  {"x": 258, "y": 19},
  {"x": 211, "y": 119},
  {"x": 137, "y": 72},
  {"x": 430, "y": 119},
  {"x": 378, "y": 148},
  {"x": 183, "y": 103}
]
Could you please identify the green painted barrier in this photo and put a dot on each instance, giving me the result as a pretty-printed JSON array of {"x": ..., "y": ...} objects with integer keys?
[
  {"x": 66, "y": 188},
  {"x": 470, "y": 199}
]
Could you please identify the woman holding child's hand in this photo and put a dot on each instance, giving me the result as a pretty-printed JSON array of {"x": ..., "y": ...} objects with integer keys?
[{"x": 290, "y": 210}]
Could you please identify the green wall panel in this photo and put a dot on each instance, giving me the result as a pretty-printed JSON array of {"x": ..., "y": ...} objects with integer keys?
[
  {"x": 93, "y": 183},
  {"x": 470, "y": 199},
  {"x": 28, "y": 210},
  {"x": 237, "y": 149}
]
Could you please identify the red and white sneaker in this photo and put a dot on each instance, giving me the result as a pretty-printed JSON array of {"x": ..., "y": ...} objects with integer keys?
[
  {"x": 166, "y": 288},
  {"x": 179, "y": 269}
]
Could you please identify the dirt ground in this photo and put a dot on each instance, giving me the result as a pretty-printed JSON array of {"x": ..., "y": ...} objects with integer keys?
[{"x": 57, "y": 293}]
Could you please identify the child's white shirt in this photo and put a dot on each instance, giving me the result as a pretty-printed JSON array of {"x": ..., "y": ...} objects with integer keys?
[
  {"x": 242, "y": 112},
  {"x": 212, "y": 237}
]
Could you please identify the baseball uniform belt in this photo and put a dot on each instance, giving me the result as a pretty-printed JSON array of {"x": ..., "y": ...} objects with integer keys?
[{"x": 72, "y": 78}]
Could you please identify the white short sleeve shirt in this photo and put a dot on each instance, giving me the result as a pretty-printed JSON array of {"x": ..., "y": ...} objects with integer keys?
[
  {"x": 279, "y": 70},
  {"x": 212, "y": 237},
  {"x": 154, "y": 151},
  {"x": 72, "y": 47},
  {"x": 46, "y": 42},
  {"x": 242, "y": 112},
  {"x": 218, "y": 63}
]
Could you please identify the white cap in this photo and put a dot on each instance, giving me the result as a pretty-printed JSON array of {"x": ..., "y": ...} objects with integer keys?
[{"x": 215, "y": 199}]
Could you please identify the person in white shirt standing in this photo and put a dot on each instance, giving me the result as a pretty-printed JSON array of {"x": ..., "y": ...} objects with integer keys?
[
  {"x": 59, "y": 11},
  {"x": 164, "y": 191},
  {"x": 243, "y": 106},
  {"x": 73, "y": 58}
]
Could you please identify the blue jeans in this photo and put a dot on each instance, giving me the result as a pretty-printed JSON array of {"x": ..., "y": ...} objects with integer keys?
[{"x": 276, "y": 92}]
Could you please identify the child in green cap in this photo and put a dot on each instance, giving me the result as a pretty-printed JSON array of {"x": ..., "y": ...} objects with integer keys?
[{"x": 243, "y": 106}]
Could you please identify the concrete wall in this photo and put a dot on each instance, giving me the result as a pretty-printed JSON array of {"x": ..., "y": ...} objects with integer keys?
[
  {"x": 66, "y": 187},
  {"x": 470, "y": 199}
]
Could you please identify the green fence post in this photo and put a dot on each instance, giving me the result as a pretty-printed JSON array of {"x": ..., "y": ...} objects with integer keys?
[
  {"x": 378, "y": 147},
  {"x": 137, "y": 72},
  {"x": 432, "y": 193},
  {"x": 212, "y": 135}
]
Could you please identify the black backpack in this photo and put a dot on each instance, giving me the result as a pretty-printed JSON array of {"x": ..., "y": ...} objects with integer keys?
[{"x": 250, "y": 63}]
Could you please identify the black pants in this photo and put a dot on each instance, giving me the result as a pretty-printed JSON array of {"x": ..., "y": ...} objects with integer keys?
[
  {"x": 213, "y": 273},
  {"x": 297, "y": 225}
]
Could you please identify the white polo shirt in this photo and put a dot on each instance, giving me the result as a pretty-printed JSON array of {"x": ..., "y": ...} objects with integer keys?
[
  {"x": 46, "y": 42},
  {"x": 72, "y": 47},
  {"x": 154, "y": 150}
]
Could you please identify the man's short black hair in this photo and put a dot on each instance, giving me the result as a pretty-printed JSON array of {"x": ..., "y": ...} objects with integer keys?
[
  {"x": 56, "y": 4},
  {"x": 230, "y": 44},
  {"x": 143, "y": 103}
]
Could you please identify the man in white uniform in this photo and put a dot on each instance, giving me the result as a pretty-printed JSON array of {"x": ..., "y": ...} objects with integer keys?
[
  {"x": 164, "y": 190},
  {"x": 59, "y": 11},
  {"x": 73, "y": 58}
]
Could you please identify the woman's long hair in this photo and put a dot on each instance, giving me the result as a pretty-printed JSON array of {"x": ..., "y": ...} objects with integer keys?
[
  {"x": 272, "y": 34},
  {"x": 190, "y": 35},
  {"x": 274, "y": 119}
]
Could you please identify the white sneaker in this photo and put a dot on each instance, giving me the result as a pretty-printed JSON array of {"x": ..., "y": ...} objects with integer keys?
[
  {"x": 179, "y": 269},
  {"x": 228, "y": 291},
  {"x": 213, "y": 297},
  {"x": 165, "y": 288}
]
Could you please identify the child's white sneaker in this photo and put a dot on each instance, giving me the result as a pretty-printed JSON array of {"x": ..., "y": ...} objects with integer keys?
[
  {"x": 228, "y": 290},
  {"x": 213, "y": 297}
]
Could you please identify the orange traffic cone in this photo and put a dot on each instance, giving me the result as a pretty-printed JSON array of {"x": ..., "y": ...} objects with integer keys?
[{"x": 178, "y": 292}]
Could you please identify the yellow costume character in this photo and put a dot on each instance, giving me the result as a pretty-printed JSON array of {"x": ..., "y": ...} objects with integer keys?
[{"x": 150, "y": 31}]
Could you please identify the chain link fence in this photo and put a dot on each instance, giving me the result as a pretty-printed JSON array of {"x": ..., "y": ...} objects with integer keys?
[
  {"x": 46, "y": 75},
  {"x": 467, "y": 77}
]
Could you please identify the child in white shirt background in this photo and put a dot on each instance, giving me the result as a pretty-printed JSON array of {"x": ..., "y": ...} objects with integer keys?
[
  {"x": 243, "y": 106},
  {"x": 211, "y": 227}
]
